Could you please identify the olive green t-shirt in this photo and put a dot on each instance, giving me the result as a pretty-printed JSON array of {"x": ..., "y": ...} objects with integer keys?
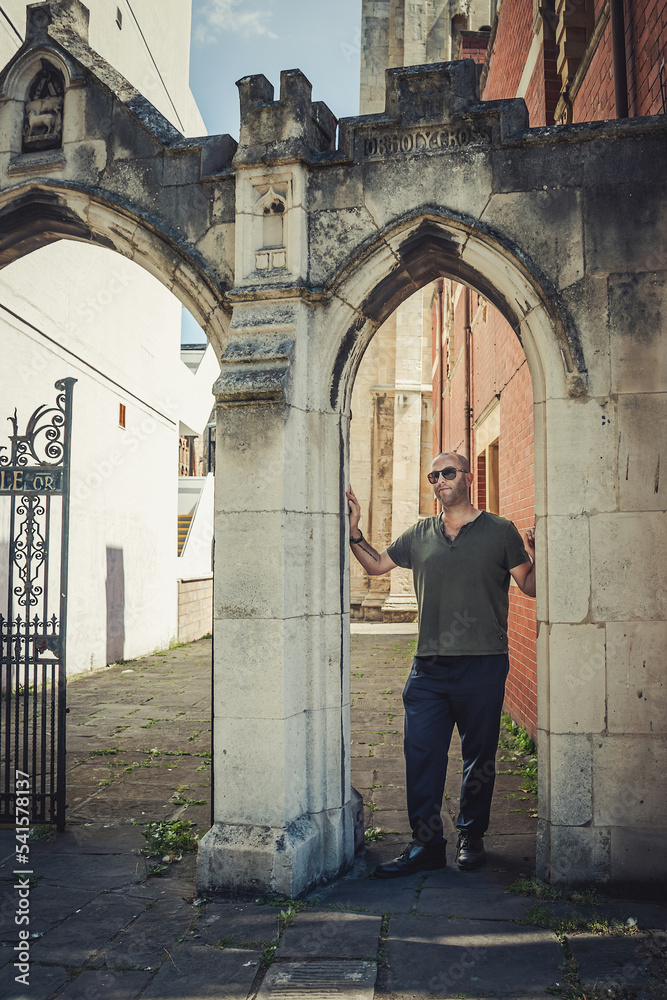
[{"x": 462, "y": 586}]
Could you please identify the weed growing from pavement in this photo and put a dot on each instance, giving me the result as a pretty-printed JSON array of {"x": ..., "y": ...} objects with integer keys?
[
  {"x": 374, "y": 833},
  {"x": 620, "y": 986},
  {"x": 283, "y": 901},
  {"x": 540, "y": 915},
  {"x": 169, "y": 836},
  {"x": 155, "y": 870},
  {"x": 382, "y": 952},
  {"x": 43, "y": 831},
  {"x": 527, "y": 885},
  {"x": 521, "y": 752}
]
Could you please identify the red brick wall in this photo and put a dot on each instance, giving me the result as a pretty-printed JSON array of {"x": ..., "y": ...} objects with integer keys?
[
  {"x": 645, "y": 47},
  {"x": 514, "y": 36},
  {"x": 517, "y": 502},
  {"x": 646, "y": 41},
  {"x": 595, "y": 99},
  {"x": 499, "y": 366}
]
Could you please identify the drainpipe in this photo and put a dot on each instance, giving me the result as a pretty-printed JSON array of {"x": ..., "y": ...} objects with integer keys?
[
  {"x": 618, "y": 57},
  {"x": 467, "y": 360},
  {"x": 440, "y": 329}
]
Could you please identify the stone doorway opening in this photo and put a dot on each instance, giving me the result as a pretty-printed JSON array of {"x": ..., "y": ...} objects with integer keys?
[
  {"x": 134, "y": 587},
  {"x": 444, "y": 372}
]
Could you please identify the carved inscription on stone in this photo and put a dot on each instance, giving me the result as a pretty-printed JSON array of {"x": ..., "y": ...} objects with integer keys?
[{"x": 425, "y": 140}]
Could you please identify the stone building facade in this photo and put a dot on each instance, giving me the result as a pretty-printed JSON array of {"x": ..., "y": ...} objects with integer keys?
[
  {"x": 373, "y": 209},
  {"x": 77, "y": 309}
]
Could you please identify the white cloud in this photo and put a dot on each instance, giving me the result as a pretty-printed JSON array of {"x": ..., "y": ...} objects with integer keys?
[{"x": 215, "y": 18}]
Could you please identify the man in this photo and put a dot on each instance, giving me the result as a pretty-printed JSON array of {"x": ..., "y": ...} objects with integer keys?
[{"x": 462, "y": 561}]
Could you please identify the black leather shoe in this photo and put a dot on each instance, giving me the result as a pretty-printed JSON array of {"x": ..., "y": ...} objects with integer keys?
[
  {"x": 415, "y": 858},
  {"x": 470, "y": 853}
]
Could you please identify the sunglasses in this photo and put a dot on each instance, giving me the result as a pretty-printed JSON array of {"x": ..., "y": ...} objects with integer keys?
[{"x": 448, "y": 473}]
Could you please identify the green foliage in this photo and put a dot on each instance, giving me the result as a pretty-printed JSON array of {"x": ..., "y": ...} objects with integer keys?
[
  {"x": 540, "y": 915},
  {"x": 169, "y": 837},
  {"x": 284, "y": 902},
  {"x": 44, "y": 831},
  {"x": 521, "y": 751},
  {"x": 373, "y": 834},
  {"x": 527, "y": 885},
  {"x": 156, "y": 870}
]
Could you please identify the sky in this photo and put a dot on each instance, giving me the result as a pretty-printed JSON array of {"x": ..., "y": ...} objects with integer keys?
[{"x": 235, "y": 38}]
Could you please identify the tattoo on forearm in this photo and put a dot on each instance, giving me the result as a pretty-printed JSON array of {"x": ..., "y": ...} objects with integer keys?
[{"x": 369, "y": 552}]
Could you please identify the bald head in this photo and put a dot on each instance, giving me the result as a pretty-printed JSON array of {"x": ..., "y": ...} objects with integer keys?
[{"x": 460, "y": 461}]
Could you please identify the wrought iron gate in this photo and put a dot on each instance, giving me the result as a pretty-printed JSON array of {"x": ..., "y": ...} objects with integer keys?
[{"x": 34, "y": 492}]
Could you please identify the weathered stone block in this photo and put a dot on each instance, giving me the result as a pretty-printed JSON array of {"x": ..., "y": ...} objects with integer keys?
[
  {"x": 330, "y": 235},
  {"x": 568, "y": 548},
  {"x": 628, "y": 784},
  {"x": 459, "y": 185},
  {"x": 587, "y": 299},
  {"x": 582, "y": 470},
  {"x": 577, "y": 678},
  {"x": 550, "y": 166},
  {"x": 642, "y": 425},
  {"x": 288, "y": 859},
  {"x": 553, "y": 218},
  {"x": 637, "y": 308},
  {"x": 639, "y": 862},
  {"x": 577, "y": 855},
  {"x": 624, "y": 231},
  {"x": 636, "y": 683},
  {"x": 571, "y": 780},
  {"x": 628, "y": 556}
]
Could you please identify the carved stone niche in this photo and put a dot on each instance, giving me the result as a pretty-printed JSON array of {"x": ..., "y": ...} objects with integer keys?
[
  {"x": 271, "y": 205},
  {"x": 43, "y": 114}
]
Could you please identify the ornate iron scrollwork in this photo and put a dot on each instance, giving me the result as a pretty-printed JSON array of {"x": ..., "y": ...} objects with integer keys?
[{"x": 34, "y": 480}]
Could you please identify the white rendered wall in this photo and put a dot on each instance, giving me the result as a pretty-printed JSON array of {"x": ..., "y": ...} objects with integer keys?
[
  {"x": 152, "y": 52},
  {"x": 116, "y": 329}
]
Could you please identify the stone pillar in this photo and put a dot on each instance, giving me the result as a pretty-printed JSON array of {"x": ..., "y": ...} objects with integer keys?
[
  {"x": 380, "y": 506},
  {"x": 401, "y": 604},
  {"x": 371, "y": 430},
  {"x": 282, "y": 815}
]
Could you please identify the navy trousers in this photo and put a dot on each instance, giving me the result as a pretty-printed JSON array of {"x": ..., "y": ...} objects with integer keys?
[{"x": 466, "y": 691}]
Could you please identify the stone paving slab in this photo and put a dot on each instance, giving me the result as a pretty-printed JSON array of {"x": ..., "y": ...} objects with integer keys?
[
  {"x": 374, "y": 895},
  {"x": 78, "y": 839},
  {"x": 296, "y": 980},
  {"x": 106, "y": 986},
  {"x": 326, "y": 934},
  {"x": 614, "y": 960},
  {"x": 142, "y": 943},
  {"x": 100, "y": 872},
  {"x": 646, "y": 915},
  {"x": 461, "y": 899},
  {"x": 51, "y": 904},
  {"x": 73, "y": 942},
  {"x": 432, "y": 955},
  {"x": 245, "y": 924},
  {"x": 44, "y": 980},
  {"x": 91, "y": 858},
  {"x": 198, "y": 971}
]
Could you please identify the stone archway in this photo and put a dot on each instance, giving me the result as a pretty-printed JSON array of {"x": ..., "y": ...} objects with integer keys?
[
  {"x": 34, "y": 215},
  {"x": 369, "y": 208}
]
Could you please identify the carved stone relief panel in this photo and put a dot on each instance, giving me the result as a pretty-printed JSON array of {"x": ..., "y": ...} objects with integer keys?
[
  {"x": 43, "y": 115},
  {"x": 270, "y": 206}
]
